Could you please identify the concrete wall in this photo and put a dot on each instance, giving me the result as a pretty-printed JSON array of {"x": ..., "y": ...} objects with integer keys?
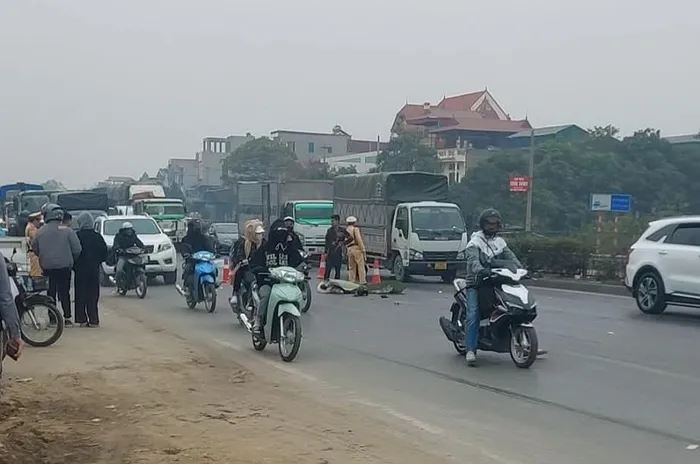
[
  {"x": 310, "y": 146},
  {"x": 182, "y": 172}
]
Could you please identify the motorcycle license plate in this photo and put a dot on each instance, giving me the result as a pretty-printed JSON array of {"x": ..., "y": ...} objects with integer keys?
[{"x": 440, "y": 266}]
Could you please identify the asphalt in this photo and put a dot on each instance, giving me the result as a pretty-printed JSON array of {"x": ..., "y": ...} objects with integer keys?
[{"x": 616, "y": 386}]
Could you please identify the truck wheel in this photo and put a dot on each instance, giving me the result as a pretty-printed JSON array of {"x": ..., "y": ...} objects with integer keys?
[{"x": 400, "y": 272}]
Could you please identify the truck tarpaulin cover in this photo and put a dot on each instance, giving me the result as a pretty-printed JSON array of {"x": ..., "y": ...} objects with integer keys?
[
  {"x": 83, "y": 201},
  {"x": 392, "y": 187}
]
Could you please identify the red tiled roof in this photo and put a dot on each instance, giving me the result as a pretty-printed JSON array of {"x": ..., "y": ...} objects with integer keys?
[{"x": 461, "y": 102}]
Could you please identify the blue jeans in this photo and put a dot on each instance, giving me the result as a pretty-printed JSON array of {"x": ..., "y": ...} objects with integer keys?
[{"x": 471, "y": 332}]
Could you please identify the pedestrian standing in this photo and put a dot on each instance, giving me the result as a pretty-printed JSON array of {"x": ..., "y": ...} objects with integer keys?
[
  {"x": 57, "y": 247},
  {"x": 67, "y": 219},
  {"x": 87, "y": 272},
  {"x": 356, "y": 253},
  {"x": 33, "y": 225},
  {"x": 335, "y": 238}
]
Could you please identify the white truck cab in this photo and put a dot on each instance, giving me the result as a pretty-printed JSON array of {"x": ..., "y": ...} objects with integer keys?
[{"x": 428, "y": 238}]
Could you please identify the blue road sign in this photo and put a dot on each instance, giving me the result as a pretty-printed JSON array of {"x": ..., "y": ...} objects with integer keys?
[{"x": 620, "y": 203}]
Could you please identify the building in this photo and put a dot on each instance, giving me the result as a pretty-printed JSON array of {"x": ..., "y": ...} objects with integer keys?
[
  {"x": 682, "y": 140},
  {"x": 320, "y": 146},
  {"x": 210, "y": 160},
  {"x": 363, "y": 162},
  {"x": 182, "y": 172},
  {"x": 458, "y": 124},
  {"x": 543, "y": 134}
]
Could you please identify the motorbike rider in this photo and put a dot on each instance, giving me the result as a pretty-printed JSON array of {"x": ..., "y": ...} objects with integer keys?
[
  {"x": 194, "y": 240},
  {"x": 275, "y": 252},
  {"x": 126, "y": 238},
  {"x": 241, "y": 253},
  {"x": 11, "y": 336},
  {"x": 484, "y": 246}
]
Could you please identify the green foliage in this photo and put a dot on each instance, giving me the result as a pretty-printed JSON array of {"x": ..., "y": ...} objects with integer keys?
[
  {"x": 662, "y": 180},
  {"x": 318, "y": 170},
  {"x": 567, "y": 256},
  {"x": 262, "y": 159},
  {"x": 407, "y": 153}
]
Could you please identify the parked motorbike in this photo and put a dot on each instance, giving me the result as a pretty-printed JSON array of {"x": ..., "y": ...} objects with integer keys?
[
  {"x": 305, "y": 285},
  {"x": 203, "y": 281},
  {"x": 283, "y": 318},
  {"x": 37, "y": 312},
  {"x": 134, "y": 277},
  {"x": 506, "y": 316}
]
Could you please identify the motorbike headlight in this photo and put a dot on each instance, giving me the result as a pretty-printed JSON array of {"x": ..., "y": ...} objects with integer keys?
[
  {"x": 415, "y": 254},
  {"x": 290, "y": 276},
  {"x": 462, "y": 254}
]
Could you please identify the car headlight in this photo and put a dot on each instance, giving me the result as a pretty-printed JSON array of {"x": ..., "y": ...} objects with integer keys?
[
  {"x": 415, "y": 254},
  {"x": 462, "y": 254}
]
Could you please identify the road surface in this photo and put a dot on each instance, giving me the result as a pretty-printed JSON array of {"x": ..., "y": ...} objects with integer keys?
[{"x": 616, "y": 386}]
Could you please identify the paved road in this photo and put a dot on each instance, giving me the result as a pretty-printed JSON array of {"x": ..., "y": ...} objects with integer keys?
[{"x": 617, "y": 386}]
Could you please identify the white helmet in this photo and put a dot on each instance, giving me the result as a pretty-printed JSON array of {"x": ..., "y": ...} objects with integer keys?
[
  {"x": 351, "y": 220},
  {"x": 127, "y": 225}
]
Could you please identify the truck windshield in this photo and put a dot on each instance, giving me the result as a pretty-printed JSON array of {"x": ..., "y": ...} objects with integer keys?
[
  {"x": 162, "y": 209},
  {"x": 33, "y": 203},
  {"x": 437, "y": 219},
  {"x": 313, "y": 213}
]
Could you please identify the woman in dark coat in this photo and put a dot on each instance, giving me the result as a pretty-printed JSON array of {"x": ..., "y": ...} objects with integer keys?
[{"x": 87, "y": 272}]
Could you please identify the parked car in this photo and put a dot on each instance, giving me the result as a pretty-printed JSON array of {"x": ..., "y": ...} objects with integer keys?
[
  {"x": 224, "y": 235},
  {"x": 162, "y": 258},
  {"x": 662, "y": 268}
]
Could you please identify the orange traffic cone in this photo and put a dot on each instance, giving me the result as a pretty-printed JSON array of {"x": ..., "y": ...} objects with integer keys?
[
  {"x": 322, "y": 267},
  {"x": 226, "y": 276},
  {"x": 376, "y": 279}
]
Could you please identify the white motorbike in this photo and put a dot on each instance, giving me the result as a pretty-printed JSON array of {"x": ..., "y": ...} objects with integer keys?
[{"x": 282, "y": 324}]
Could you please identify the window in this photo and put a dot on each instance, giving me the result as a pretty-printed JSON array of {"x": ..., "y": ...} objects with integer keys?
[
  {"x": 661, "y": 234},
  {"x": 292, "y": 146},
  {"x": 402, "y": 220},
  {"x": 312, "y": 147},
  {"x": 686, "y": 234},
  {"x": 141, "y": 226}
]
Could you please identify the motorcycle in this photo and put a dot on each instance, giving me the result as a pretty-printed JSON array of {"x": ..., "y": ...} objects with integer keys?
[
  {"x": 29, "y": 304},
  {"x": 243, "y": 309},
  {"x": 305, "y": 285},
  {"x": 134, "y": 277},
  {"x": 203, "y": 281},
  {"x": 283, "y": 318},
  {"x": 505, "y": 319}
]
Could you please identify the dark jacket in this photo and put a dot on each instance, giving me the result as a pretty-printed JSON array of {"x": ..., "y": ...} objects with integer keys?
[
  {"x": 56, "y": 245},
  {"x": 335, "y": 237},
  {"x": 94, "y": 247},
  {"x": 197, "y": 241},
  {"x": 8, "y": 310},
  {"x": 125, "y": 239}
]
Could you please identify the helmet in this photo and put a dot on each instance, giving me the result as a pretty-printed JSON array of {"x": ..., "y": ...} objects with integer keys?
[
  {"x": 288, "y": 218},
  {"x": 490, "y": 215},
  {"x": 351, "y": 220},
  {"x": 126, "y": 225},
  {"x": 49, "y": 207},
  {"x": 55, "y": 214}
]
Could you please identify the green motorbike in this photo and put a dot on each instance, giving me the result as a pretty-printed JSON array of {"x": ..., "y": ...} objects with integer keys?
[{"x": 282, "y": 324}]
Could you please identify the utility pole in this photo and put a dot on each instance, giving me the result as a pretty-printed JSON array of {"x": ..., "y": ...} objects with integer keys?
[{"x": 531, "y": 172}]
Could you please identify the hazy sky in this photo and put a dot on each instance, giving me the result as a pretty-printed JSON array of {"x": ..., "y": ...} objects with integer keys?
[{"x": 91, "y": 88}]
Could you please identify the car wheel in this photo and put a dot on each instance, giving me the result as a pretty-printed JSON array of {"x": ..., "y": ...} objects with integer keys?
[
  {"x": 649, "y": 293},
  {"x": 170, "y": 278}
]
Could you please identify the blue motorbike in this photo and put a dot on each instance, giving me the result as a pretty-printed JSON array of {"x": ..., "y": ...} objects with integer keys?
[{"x": 204, "y": 281}]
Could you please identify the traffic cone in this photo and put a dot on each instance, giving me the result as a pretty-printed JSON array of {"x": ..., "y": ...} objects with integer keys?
[
  {"x": 322, "y": 267},
  {"x": 376, "y": 278},
  {"x": 227, "y": 272}
]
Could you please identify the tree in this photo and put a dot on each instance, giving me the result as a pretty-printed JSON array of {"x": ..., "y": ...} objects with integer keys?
[
  {"x": 321, "y": 170},
  {"x": 352, "y": 169},
  {"x": 660, "y": 177},
  {"x": 262, "y": 159},
  {"x": 407, "y": 153}
]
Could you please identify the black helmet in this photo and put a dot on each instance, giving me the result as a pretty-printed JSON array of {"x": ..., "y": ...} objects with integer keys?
[
  {"x": 194, "y": 225},
  {"x": 489, "y": 215}
]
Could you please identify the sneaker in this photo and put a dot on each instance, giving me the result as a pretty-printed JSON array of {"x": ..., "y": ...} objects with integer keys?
[
  {"x": 471, "y": 358},
  {"x": 67, "y": 323},
  {"x": 233, "y": 300}
]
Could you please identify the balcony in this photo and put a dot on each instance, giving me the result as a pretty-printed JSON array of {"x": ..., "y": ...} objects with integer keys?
[{"x": 452, "y": 155}]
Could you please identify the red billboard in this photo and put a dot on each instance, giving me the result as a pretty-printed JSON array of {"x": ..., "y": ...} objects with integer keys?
[{"x": 519, "y": 183}]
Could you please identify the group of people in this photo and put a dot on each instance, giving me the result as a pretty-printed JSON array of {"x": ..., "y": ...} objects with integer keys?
[{"x": 339, "y": 238}]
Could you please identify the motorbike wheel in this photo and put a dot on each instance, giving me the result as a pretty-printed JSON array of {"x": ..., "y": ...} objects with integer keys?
[
  {"x": 291, "y": 329},
  {"x": 121, "y": 291},
  {"x": 55, "y": 322},
  {"x": 523, "y": 346},
  {"x": 141, "y": 286},
  {"x": 209, "y": 297},
  {"x": 306, "y": 295}
]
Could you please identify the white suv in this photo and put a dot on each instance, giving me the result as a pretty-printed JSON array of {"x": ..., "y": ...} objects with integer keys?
[
  {"x": 162, "y": 258},
  {"x": 664, "y": 265}
]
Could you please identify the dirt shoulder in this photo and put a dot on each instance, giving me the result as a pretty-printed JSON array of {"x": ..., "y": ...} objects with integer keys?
[{"x": 127, "y": 394}]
